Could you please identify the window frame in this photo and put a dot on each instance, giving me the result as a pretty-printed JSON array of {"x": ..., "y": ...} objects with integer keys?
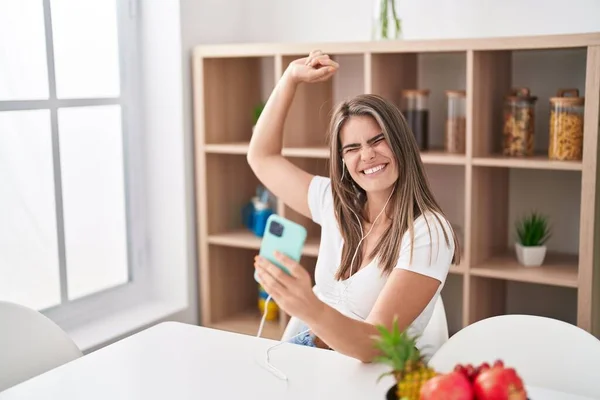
[{"x": 70, "y": 314}]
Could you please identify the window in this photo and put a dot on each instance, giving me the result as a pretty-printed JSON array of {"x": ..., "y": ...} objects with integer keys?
[{"x": 71, "y": 237}]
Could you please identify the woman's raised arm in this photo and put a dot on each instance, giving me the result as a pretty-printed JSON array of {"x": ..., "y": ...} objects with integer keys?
[{"x": 285, "y": 180}]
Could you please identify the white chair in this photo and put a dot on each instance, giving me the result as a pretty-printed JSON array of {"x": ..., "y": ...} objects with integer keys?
[
  {"x": 545, "y": 352},
  {"x": 433, "y": 337},
  {"x": 435, "y": 333},
  {"x": 30, "y": 344}
]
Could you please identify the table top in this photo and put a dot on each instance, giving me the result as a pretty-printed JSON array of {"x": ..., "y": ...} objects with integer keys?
[{"x": 180, "y": 361}]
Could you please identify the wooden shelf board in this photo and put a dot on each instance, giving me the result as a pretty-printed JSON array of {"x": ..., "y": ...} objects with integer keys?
[
  {"x": 534, "y": 162},
  {"x": 457, "y": 269},
  {"x": 400, "y": 46},
  {"x": 227, "y": 148},
  {"x": 242, "y": 148},
  {"x": 241, "y": 238},
  {"x": 557, "y": 270},
  {"x": 248, "y": 323},
  {"x": 441, "y": 157},
  {"x": 428, "y": 157},
  {"x": 244, "y": 239},
  {"x": 308, "y": 152}
]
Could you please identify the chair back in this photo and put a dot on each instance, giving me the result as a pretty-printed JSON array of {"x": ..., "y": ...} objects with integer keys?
[
  {"x": 545, "y": 352},
  {"x": 30, "y": 344},
  {"x": 435, "y": 333}
]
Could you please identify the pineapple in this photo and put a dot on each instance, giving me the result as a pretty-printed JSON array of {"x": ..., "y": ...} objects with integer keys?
[{"x": 408, "y": 367}]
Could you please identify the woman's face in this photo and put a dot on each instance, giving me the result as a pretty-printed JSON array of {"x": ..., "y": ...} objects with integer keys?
[{"x": 367, "y": 154}]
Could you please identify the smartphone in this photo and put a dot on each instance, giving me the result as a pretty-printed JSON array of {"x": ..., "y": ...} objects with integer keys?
[{"x": 284, "y": 236}]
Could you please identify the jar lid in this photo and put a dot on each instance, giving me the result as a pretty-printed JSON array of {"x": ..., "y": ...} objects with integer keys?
[
  {"x": 521, "y": 94},
  {"x": 415, "y": 92},
  {"x": 456, "y": 93},
  {"x": 563, "y": 98}
]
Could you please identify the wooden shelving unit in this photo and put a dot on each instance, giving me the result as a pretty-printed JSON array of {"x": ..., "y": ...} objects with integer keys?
[{"x": 476, "y": 189}]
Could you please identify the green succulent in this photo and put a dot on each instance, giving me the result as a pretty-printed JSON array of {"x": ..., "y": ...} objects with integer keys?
[
  {"x": 257, "y": 111},
  {"x": 533, "y": 230}
]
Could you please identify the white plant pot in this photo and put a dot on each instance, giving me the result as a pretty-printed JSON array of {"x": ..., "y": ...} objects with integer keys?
[{"x": 530, "y": 256}]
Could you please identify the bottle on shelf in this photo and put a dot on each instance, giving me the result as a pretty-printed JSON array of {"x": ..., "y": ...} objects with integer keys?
[
  {"x": 456, "y": 122},
  {"x": 272, "y": 307},
  {"x": 566, "y": 126},
  {"x": 519, "y": 123},
  {"x": 415, "y": 107},
  {"x": 256, "y": 212}
]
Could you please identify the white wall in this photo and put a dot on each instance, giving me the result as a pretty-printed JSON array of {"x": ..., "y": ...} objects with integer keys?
[
  {"x": 219, "y": 21},
  {"x": 349, "y": 20}
]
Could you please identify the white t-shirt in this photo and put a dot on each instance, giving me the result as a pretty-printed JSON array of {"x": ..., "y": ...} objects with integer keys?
[{"x": 356, "y": 296}]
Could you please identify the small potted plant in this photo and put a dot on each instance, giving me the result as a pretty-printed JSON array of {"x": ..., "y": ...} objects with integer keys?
[
  {"x": 258, "y": 109},
  {"x": 398, "y": 350},
  {"x": 532, "y": 234}
]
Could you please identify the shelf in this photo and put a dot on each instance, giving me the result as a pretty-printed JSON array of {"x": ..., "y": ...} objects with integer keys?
[
  {"x": 242, "y": 148},
  {"x": 440, "y": 157},
  {"x": 227, "y": 148},
  {"x": 557, "y": 270},
  {"x": 307, "y": 152},
  {"x": 248, "y": 323},
  {"x": 534, "y": 162},
  {"x": 428, "y": 157},
  {"x": 457, "y": 269},
  {"x": 481, "y": 191},
  {"x": 245, "y": 239}
]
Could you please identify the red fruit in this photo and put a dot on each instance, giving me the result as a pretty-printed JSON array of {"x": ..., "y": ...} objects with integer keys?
[
  {"x": 498, "y": 363},
  {"x": 499, "y": 383},
  {"x": 460, "y": 369},
  {"x": 482, "y": 368},
  {"x": 451, "y": 386},
  {"x": 470, "y": 370}
]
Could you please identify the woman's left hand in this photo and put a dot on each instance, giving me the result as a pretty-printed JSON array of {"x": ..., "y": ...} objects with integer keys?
[{"x": 293, "y": 293}]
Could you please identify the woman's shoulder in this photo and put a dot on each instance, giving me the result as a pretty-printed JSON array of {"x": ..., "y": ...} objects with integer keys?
[
  {"x": 431, "y": 232},
  {"x": 432, "y": 221},
  {"x": 430, "y": 249}
]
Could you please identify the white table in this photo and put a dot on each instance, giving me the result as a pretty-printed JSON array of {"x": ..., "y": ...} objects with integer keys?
[{"x": 179, "y": 361}]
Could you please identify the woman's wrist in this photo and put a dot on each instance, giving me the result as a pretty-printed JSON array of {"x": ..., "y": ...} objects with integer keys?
[
  {"x": 316, "y": 313},
  {"x": 288, "y": 78}
]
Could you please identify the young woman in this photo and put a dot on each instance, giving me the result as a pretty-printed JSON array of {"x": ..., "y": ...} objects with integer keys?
[{"x": 386, "y": 245}]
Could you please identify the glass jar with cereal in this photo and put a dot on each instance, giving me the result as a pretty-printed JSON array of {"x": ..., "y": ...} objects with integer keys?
[
  {"x": 566, "y": 126},
  {"x": 519, "y": 123},
  {"x": 456, "y": 126}
]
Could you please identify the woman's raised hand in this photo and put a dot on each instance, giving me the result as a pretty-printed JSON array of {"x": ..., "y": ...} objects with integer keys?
[{"x": 317, "y": 67}]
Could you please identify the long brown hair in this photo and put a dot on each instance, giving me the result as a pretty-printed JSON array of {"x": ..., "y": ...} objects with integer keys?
[{"x": 412, "y": 195}]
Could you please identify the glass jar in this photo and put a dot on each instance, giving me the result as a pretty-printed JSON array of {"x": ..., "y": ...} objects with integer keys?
[
  {"x": 456, "y": 122},
  {"x": 566, "y": 126},
  {"x": 519, "y": 123},
  {"x": 414, "y": 106}
]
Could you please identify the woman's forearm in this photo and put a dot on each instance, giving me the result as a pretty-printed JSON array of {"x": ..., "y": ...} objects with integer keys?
[
  {"x": 345, "y": 335},
  {"x": 267, "y": 139}
]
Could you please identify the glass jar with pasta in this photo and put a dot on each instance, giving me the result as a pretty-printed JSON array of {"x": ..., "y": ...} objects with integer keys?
[
  {"x": 519, "y": 123},
  {"x": 566, "y": 126}
]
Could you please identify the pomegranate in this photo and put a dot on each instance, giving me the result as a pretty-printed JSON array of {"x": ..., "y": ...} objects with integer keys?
[
  {"x": 499, "y": 383},
  {"x": 451, "y": 386}
]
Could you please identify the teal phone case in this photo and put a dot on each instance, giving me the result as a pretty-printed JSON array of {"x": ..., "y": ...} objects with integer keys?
[{"x": 284, "y": 236}]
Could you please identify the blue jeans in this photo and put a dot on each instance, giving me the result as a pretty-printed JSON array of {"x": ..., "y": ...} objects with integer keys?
[{"x": 304, "y": 339}]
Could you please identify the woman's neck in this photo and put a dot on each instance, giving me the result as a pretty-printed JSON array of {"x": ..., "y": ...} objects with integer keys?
[{"x": 375, "y": 203}]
